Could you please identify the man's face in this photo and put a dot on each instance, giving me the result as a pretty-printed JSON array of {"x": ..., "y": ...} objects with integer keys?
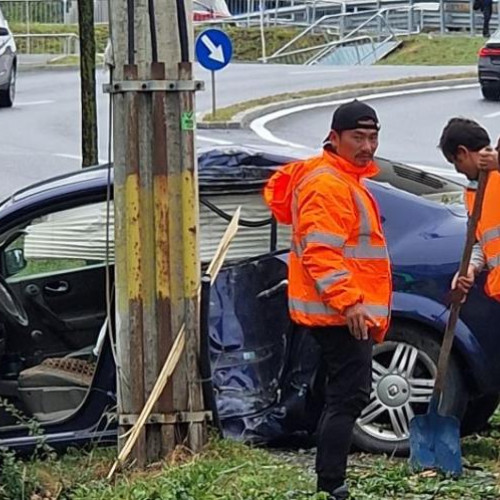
[
  {"x": 358, "y": 146},
  {"x": 466, "y": 162}
]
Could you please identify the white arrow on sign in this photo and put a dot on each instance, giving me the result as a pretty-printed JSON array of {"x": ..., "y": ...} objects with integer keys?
[{"x": 216, "y": 52}]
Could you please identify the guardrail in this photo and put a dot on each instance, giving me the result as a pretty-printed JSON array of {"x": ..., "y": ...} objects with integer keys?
[
  {"x": 49, "y": 11},
  {"x": 64, "y": 44},
  {"x": 444, "y": 15},
  {"x": 348, "y": 28}
]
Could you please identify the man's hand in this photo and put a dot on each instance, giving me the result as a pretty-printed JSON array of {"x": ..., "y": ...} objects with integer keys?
[
  {"x": 357, "y": 321},
  {"x": 464, "y": 283},
  {"x": 488, "y": 159}
]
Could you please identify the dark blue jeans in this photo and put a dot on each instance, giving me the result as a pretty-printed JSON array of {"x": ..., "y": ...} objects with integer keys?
[{"x": 348, "y": 366}]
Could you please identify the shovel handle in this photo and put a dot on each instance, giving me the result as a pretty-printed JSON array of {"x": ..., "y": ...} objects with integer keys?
[{"x": 444, "y": 353}]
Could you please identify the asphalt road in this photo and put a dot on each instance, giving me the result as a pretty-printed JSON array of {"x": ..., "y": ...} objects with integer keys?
[
  {"x": 40, "y": 136},
  {"x": 411, "y": 124}
]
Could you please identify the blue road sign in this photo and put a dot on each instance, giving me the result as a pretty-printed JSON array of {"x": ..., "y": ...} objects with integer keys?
[{"x": 213, "y": 49}]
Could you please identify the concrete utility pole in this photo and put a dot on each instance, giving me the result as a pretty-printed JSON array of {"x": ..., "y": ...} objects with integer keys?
[
  {"x": 90, "y": 155},
  {"x": 156, "y": 221}
]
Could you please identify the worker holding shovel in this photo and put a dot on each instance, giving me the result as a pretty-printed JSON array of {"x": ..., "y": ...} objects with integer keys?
[
  {"x": 466, "y": 145},
  {"x": 435, "y": 438}
]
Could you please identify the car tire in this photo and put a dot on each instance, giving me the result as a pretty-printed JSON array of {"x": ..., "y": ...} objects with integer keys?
[
  {"x": 478, "y": 412},
  {"x": 404, "y": 369},
  {"x": 490, "y": 93},
  {"x": 7, "y": 95}
]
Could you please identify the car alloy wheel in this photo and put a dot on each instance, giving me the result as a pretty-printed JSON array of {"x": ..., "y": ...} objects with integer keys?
[
  {"x": 8, "y": 94},
  {"x": 403, "y": 374},
  {"x": 402, "y": 385}
]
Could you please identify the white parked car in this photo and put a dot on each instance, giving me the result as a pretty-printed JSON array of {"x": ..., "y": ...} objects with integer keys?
[{"x": 8, "y": 64}]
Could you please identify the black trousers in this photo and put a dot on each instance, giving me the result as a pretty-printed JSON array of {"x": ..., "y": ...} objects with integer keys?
[
  {"x": 348, "y": 364},
  {"x": 487, "y": 8}
]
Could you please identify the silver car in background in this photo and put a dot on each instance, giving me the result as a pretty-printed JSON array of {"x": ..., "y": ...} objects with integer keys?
[{"x": 8, "y": 65}]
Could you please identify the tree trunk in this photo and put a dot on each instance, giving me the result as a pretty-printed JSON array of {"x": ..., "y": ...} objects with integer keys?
[{"x": 87, "y": 82}]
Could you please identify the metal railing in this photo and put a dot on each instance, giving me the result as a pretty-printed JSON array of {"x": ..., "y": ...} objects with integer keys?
[
  {"x": 442, "y": 15},
  {"x": 366, "y": 25},
  {"x": 49, "y": 11},
  {"x": 296, "y": 13},
  {"x": 307, "y": 15},
  {"x": 63, "y": 44},
  {"x": 326, "y": 50}
]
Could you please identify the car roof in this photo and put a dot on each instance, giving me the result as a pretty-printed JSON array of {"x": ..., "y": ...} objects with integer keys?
[
  {"x": 220, "y": 169},
  {"x": 78, "y": 180}
]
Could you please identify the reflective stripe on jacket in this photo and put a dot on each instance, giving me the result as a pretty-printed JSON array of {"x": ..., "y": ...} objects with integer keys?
[
  {"x": 338, "y": 254},
  {"x": 488, "y": 230}
]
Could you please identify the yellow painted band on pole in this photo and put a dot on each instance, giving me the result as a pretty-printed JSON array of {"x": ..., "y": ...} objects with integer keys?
[
  {"x": 133, "y": 237},
  {"x": 190, "y": 230},
  {"x": 120, "y": 243},
  {"x": 160, "y": 187}
]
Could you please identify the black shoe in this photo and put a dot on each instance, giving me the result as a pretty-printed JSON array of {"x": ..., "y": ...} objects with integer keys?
[{"x": 340, "y": 493}]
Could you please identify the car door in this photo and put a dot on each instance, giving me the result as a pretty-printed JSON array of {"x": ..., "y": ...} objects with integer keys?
[{"x": 56, "y": 265}]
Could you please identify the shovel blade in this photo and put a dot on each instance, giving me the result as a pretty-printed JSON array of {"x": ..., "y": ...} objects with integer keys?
[{"x": 435, "y": 443}]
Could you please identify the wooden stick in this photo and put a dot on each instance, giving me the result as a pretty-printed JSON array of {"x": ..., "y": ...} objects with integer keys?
[
  {"x": 223, "y": 247},
  {"x": 167, "y": 370},
  {"x": 176, "y": 351},
  {"x": 449, "y": 334}
]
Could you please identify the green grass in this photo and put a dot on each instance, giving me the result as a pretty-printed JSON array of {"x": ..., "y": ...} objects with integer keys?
[
  {"x": 42, "y": 266},
  {"x": 224, "y": 471},
  {"x": 55, "y": 45},
  {"x": 436, "y": 50},
  {"x": 246, "y": 41},
  {"x": 227, "y": 470},
  {"x": 228, "y": 113},
  {"x": 424, "y": 49}
]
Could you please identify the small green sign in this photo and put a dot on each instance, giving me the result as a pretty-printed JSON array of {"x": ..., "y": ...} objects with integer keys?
[{"x": 187, "y": 120}]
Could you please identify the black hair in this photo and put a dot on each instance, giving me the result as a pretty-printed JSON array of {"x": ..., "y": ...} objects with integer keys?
[{"x": 462, "y": 132}]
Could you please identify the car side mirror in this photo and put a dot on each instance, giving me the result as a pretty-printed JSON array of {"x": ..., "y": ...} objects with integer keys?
[
  {"x": 14, "y": 261},
  {"x": 4, "y": 31}
]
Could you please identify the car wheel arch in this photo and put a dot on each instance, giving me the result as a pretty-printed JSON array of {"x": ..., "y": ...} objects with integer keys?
[
  {"x": 457, "y": 351},
  {"x": 432, "y": 315}
]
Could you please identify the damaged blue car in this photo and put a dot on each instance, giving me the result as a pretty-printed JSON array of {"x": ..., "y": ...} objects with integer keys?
[{"x": 265, "y": 377}]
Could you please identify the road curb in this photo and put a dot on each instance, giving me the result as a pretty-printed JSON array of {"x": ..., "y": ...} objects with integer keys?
[
  {"x": 244, "y": 118},
  {"x": 27, "y": 68}
]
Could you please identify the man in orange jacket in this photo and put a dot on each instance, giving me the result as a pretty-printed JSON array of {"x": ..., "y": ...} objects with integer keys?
[
  {"x": 466, "y": 145},
  {"x": 339, "y": 273}
]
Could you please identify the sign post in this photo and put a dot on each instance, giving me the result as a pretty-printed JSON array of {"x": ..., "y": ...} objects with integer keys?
[
  {"x": 214, "y": 105},
  {"x": 213, "y": 51}
]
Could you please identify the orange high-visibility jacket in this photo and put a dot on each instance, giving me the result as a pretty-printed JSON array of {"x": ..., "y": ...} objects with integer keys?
[
  {"x": 488, "y": 231},
  {"x": 338, "y": 255}
]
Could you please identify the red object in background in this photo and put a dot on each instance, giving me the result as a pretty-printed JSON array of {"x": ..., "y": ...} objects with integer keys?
[{"x": 206, "y": 10}]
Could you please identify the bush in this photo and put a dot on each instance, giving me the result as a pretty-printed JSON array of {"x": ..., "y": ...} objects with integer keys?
[{"x": 15, "y": 483}]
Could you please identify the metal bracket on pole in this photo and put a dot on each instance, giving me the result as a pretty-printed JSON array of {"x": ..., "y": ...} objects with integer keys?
[
  {"x": 154, "y": 86},
  {"x": 168, "y": 418}
]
